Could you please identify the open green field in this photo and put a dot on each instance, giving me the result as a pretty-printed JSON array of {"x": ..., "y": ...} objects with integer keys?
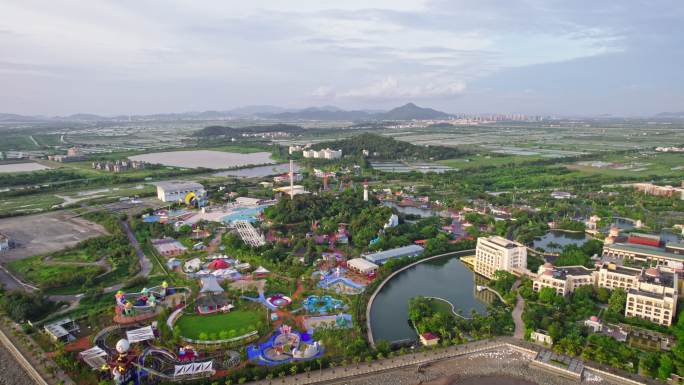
[
  {"x": 74, "y": 256},
  {"x": 238, "y": 321},
  {"x": 635, "y": 164},
  {"x": 52, "y": 275},
  {"x": 476, "y": 161},
  {"x": 28, "y": 204},
  {"x": 14, "y": 142}
]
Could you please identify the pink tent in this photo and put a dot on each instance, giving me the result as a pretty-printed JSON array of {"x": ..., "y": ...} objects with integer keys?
[{"x": 218, "y": 264}]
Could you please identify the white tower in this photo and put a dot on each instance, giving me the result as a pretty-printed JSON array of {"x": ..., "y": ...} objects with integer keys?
[
  {"x": 365, "y": 191},
  {"x": 291, "y": 179}
]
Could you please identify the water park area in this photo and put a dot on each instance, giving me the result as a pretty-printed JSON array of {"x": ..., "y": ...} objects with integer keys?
[
  {"x": 286, "y": 345},
  {"x": 226, "y": 213},
  {"x": 326, "y": 304},
  {"x": 340, "y": 281}
]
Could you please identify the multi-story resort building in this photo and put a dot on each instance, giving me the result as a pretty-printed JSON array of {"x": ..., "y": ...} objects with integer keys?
[
  {"x": 613, "y": 276},
  {"x": 655, "y": 297},
  {"x": 563, "y": 279},
  {"x": 671, "y": 255},
  {"x": 498, "y": 253},
  {"x": 651, "y": 293}
]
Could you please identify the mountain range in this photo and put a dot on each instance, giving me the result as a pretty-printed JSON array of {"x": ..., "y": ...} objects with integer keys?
[{"x": 408, "y": 111}]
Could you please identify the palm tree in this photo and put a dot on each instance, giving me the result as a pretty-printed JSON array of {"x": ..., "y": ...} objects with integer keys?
[
  {"x": 282, "y": 376},
  {"x": 307, "y": 370},
  {"x": 269, "y": 377},
  {"x": 293, "y": 369},
  {"x": 332, "y": 365},
  {"x": 344, "y": 363},
  {"x": 357, "y": 360},
  {"x": 320, "y": 366}
]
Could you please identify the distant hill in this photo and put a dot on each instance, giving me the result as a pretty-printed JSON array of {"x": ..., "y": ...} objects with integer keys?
[
  {"x": 677, "y": 115},
  {"x": 408, "y": 111},
  {"x": 382, "y": 147},
  {"x": 315, "y": 113},
  {"x": 216, "y": 131},
  {"x": 411, "y": 111}
]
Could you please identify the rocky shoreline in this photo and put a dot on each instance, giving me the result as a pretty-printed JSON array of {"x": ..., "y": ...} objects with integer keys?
[{"x": 493, "y": 367}]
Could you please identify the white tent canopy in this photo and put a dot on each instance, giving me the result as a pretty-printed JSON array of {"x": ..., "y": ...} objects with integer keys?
[
  {"x": 193, "y": 368},
  {"x": 210, "y": 285},
  {"x": 139, "y": 335},
  {"x": 261, "y": 270},
  {"x": 94, "y": 357}
]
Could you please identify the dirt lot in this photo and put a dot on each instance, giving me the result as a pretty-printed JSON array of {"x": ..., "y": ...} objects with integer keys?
[{"x": 45, "y": 233}]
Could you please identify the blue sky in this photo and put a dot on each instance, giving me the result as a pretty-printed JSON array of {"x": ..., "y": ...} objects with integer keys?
[{"x": 538, "y": 57}]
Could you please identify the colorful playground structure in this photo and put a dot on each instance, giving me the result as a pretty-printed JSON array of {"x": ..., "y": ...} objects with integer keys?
[
  {"x": 279, "y": 300},
  {"x": 338, "y": 281},
  {"x": 286, "y": 345},
  {"x": 136, "y": 307}
]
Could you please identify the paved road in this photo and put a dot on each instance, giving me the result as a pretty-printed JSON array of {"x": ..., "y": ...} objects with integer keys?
[
  {"x": 517, "y": 318},
  {"x": 145, "y": 264}
]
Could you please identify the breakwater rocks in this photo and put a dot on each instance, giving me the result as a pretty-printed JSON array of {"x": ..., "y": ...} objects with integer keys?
[{"x": 11, "y": 372}]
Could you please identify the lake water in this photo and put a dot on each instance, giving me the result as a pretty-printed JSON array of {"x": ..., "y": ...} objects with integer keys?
[
  {"x": 22, "y": 167},
  {"x": 562, "y": 238},
  {"x": 446, "y": 278},
  {"x": 215, "y": 160},
  {"x": 259, "y": 171}
]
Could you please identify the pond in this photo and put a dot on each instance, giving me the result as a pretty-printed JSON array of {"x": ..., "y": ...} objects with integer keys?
[
  {"x": 561, "y": 238},
  {"x": 22, "y": 167},
  {"x": 423, "y": 213},
  {"x": 259, "y": 171},
  {"x": 446, "y": 278},
  {"x": 214, "y": 160}
]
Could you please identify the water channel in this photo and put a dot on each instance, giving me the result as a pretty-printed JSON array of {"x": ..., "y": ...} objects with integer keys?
[{"x": 446, "y": 278}]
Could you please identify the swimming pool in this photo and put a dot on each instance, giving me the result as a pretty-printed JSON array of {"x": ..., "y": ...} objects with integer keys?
[{"x": 249, "y": 214}]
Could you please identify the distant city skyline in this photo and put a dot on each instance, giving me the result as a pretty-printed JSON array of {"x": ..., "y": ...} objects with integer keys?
[{"x": 580, "y": 58}]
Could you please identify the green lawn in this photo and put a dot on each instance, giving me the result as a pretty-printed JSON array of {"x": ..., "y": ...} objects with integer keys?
[
  {"x": 440, "y": 306},
  {"x": 240, "y": 321}
]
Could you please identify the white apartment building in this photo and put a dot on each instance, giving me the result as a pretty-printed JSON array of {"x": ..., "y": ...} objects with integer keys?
[
  {"x": 322, "y": 154},
  {"x": 174, "y": 191},
  {"x": 498, "y": 253},
  {"x": 564, "y": 280}
]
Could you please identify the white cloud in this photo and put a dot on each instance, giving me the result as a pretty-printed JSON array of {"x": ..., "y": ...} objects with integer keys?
[{"x": 390, "y": 88}]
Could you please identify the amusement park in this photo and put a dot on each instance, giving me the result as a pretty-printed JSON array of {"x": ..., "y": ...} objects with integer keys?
[{"x": 242, "y": 286}]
